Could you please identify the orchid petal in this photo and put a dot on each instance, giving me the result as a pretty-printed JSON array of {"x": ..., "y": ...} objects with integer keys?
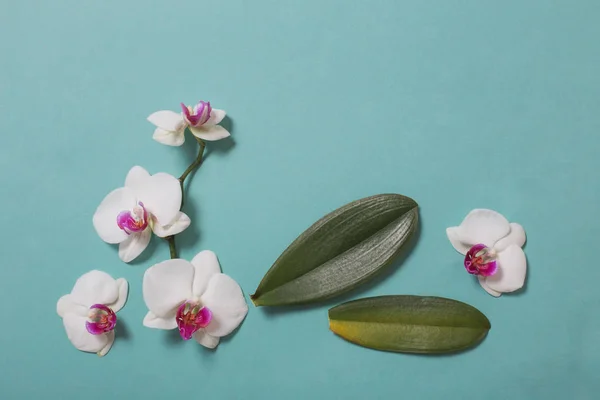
[
  {"x": 483, "y": 226},
  {"x": 136, "y": 178},
  {"x": 209, "y": 132},
  {"x": 123, "y": 288},
  {"x": 94, "y": 287},
  {"x": 105, "y": 217},
  {"x": 167, "y": 120},
  {"x": 170, "y": 138},
  {"x": 225, "y": 299},
  {"x": 206, "y": 339},
  {"x": 205, "y": 265},
  {"x": 110, "y": 337},
  {"x": 512, "y": 268},
  {"x": 216, "y": 116},
  {"x": 166, "y": 285},
  {"x": 134, "y": 245},
  {"x": 80, "y": 337},
  {"x": 453, "y": 236},
  {"x": 66, "y": 305},
  {"x": 181, "y": 222},
  {"x": 152, "y": 321},
  {"x": 486, "y": 288},
  {"x": 516, "y": 236},
  {"x": 161, "y": 196}
]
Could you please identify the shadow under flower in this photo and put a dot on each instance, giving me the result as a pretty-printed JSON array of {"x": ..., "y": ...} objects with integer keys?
[
  {"x": 207, "y": 353},
  {"x": 190, "y": 147},
  {"x": 122, "y": 332},
  {"x": 148, "y": 252},
  {"x": 225, "y": 145},
  {"x": 172, "y": 337},
  {"x": 525, "y": 287},
  {"x": 189, "y": 238}
]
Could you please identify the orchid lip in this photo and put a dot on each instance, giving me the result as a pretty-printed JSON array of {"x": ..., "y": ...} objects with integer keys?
[
  {"x": 191, "y": 317},
  {"x": 101, "y": 319},
  {"x": 481, "y": 260},
  {"x": 197, "y": 115},
  {"x": 135, "y": 220}
]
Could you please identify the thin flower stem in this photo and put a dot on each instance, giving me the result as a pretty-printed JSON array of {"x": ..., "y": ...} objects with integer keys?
[
  {"x": 172, "y": 248},
  {"x": 193, "y": 166}
]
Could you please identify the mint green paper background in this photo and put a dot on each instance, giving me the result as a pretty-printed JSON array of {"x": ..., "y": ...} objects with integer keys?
[{"x": 458, "y": 104}]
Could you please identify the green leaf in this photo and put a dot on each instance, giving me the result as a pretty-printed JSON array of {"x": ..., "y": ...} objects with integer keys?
[
  {"x": 409, "y": 324},
  {"x": 340, "y": 251}
]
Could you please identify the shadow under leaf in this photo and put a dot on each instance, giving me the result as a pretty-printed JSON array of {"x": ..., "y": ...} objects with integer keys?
[{"x": 449, "y": 354}]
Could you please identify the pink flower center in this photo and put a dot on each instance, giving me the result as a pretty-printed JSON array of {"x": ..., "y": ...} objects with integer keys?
[
  {"x": 191, "y": 317},
  {"x": 101, "y": 319},
  {"x": 135, "y": 220},
  {"x": 481, "y": 260},
  {"x": 197, "y": 115}
]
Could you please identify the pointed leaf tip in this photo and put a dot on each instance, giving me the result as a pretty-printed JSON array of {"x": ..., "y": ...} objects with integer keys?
[
  {"x": 340, "y": 251},
  {"x": 254, "y": 300}
]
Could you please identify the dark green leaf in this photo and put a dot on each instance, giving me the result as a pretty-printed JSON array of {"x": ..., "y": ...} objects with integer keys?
[
  {"x": 340, "y": 251},
  {"x": 409, "y": 324}
]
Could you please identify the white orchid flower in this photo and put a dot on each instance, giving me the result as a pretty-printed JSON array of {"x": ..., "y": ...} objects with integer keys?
[
  {"x": 201, "y": 119},
  {"x": 88, "y": 312},
  {"x": 146, "y": 203},
  {"x": 194, "y": 297},
  {"x": 492, "y": 249}
]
